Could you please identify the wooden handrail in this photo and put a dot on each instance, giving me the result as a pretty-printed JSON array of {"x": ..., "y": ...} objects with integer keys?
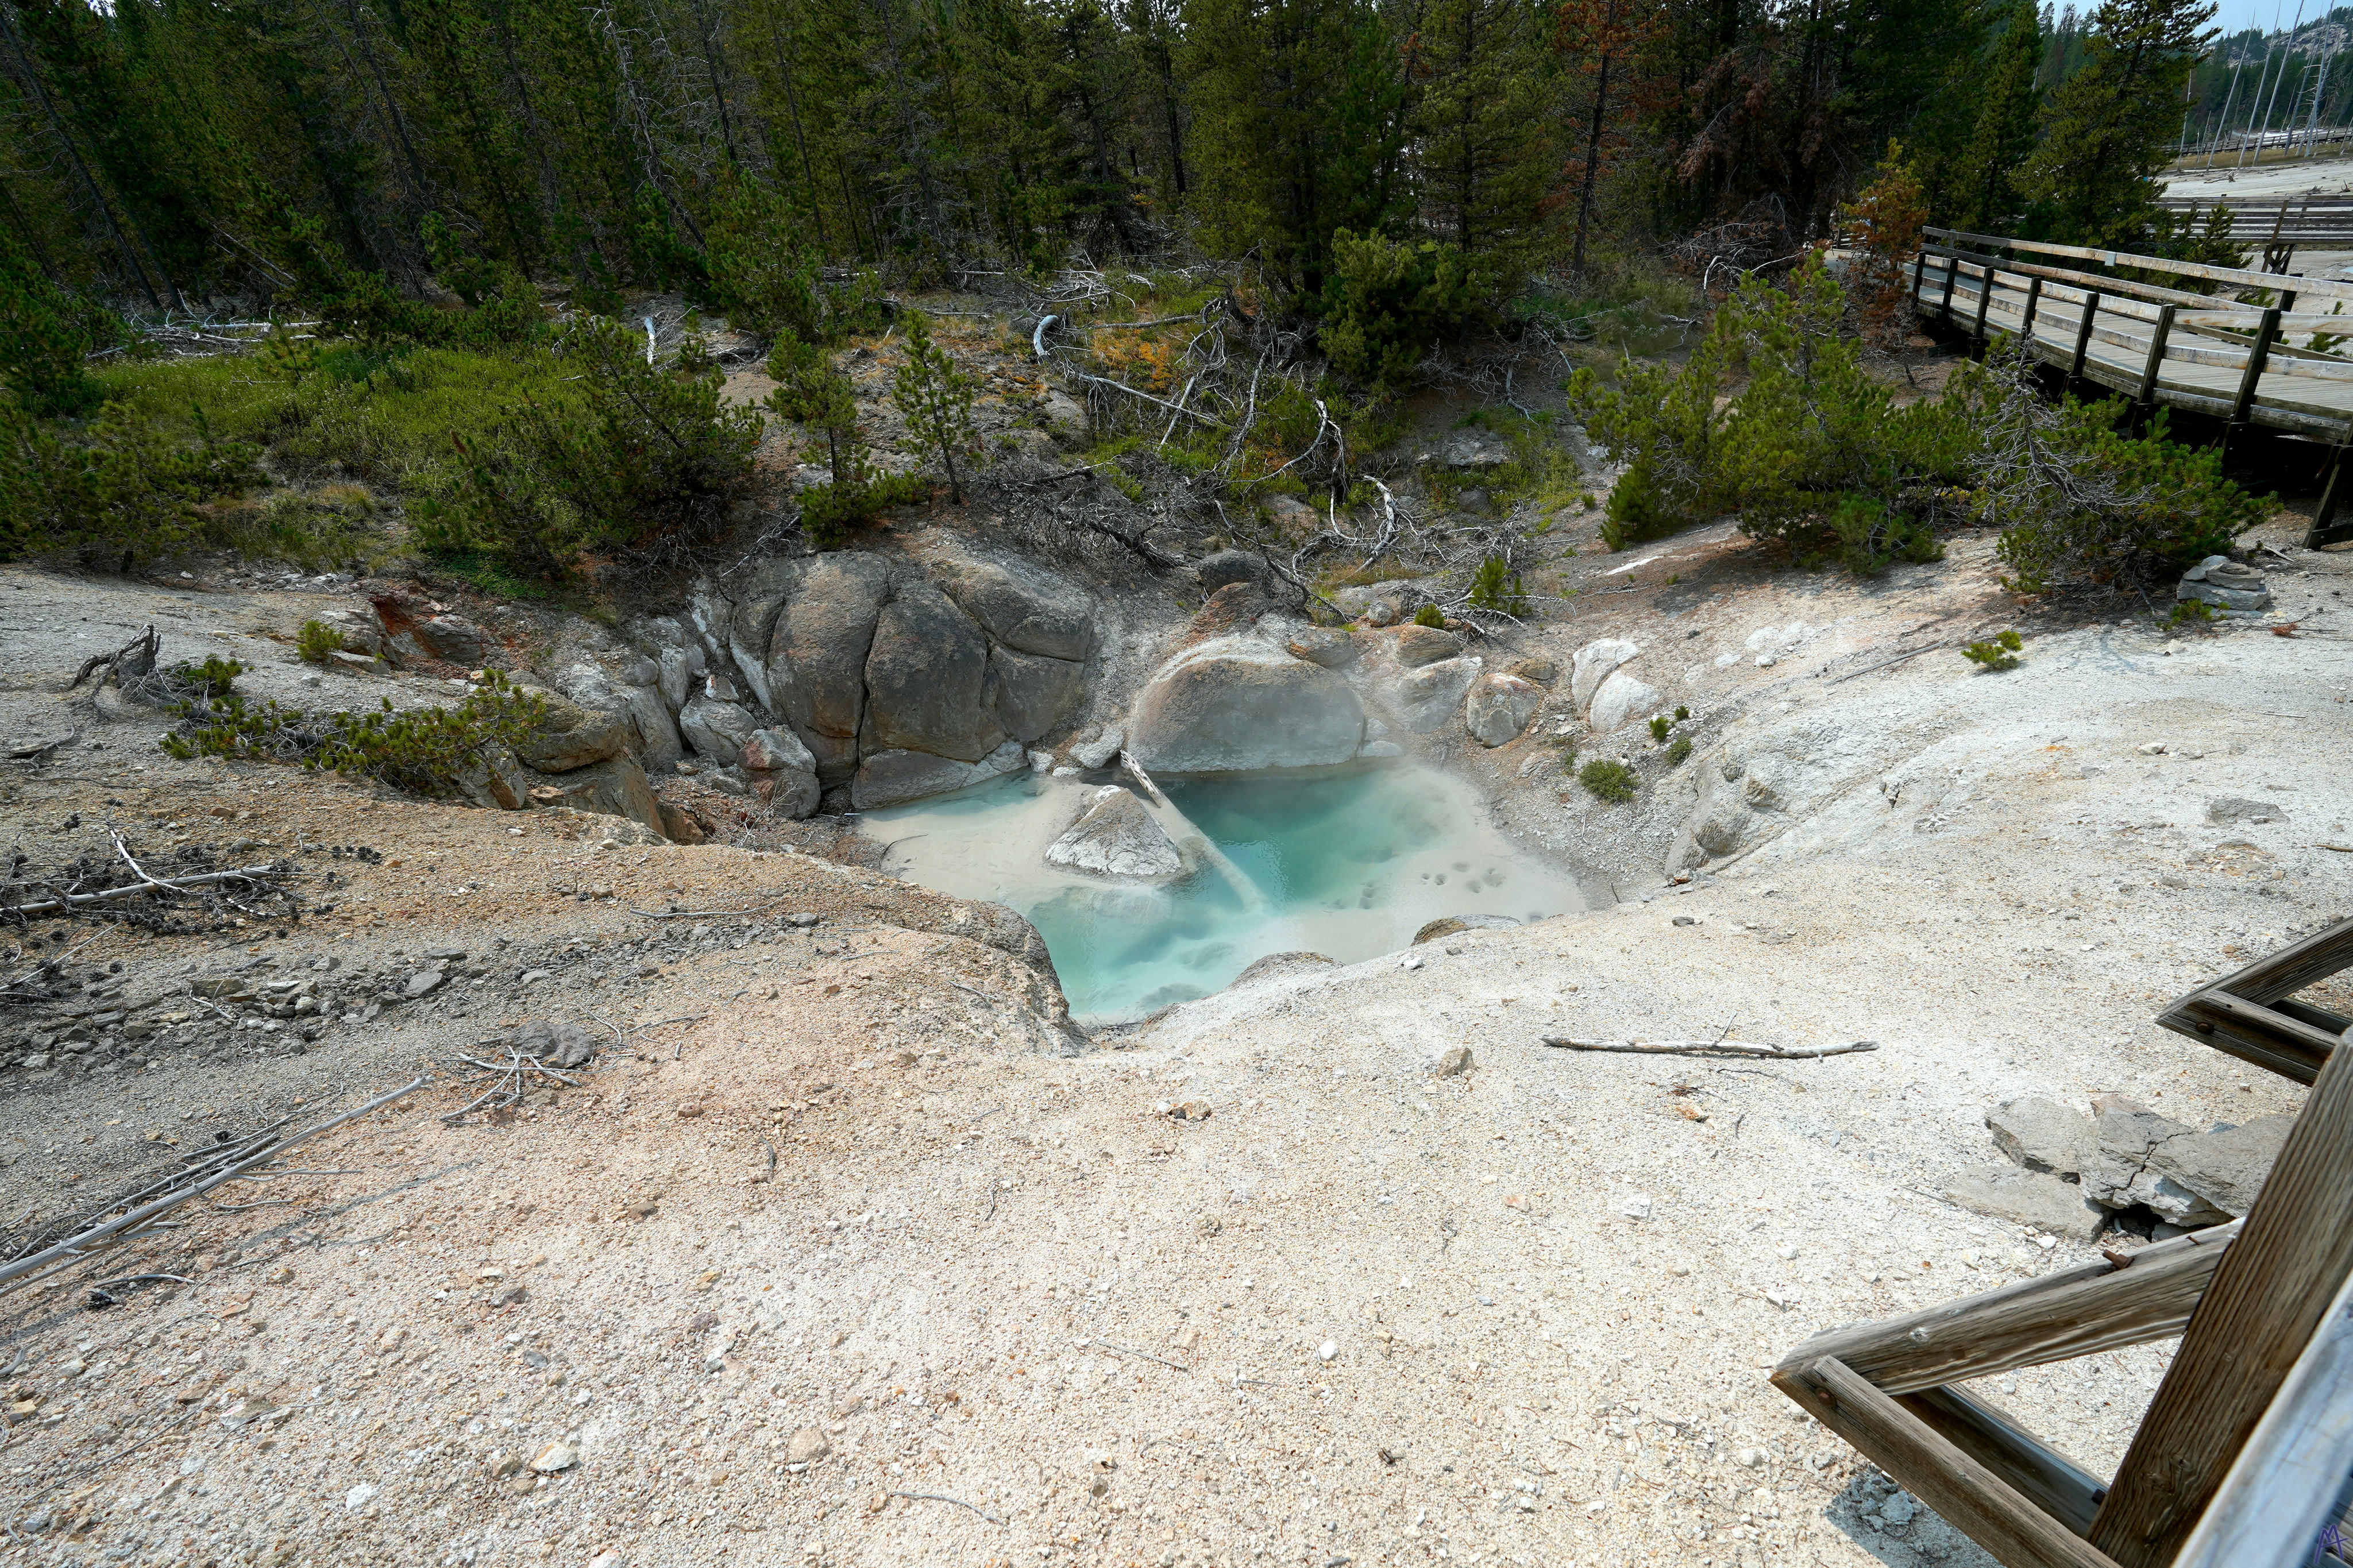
[{"x": 2238, "y": 277}]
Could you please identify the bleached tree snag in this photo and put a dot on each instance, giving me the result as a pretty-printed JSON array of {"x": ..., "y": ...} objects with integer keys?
[{"x": 1707, "y": 1049}]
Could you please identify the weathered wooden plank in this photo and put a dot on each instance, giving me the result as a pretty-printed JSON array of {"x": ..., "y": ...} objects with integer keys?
[
  {"x": 2269, "y": 1294},
  {"x": 2272, "y": 1505},
  {"x": 2221, "y": 1020},
  {"x": 2131, "y": 287},
  {"x": 2045, "y": 1477},
  {"x": 1932, "y": 1468},
  {"x": 2066, "y": 1313},
  {"x": 2293, "y": 967}
]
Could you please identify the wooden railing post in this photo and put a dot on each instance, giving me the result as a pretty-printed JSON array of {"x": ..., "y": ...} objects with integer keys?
[
  {"x": 2259, "y": 354},
  {"x": 1984, "y": 302},
  {"x": 1919, "y": 265},
  {"x": 2164, "y": 329},
  {"x": 1952, "y": 275},
  {"x": 2325, "y": 527},
  {"x": 2083, "y": 334},
  {"x": 2270, "y": 1292},
  {"x": 2033, "y": 298}
]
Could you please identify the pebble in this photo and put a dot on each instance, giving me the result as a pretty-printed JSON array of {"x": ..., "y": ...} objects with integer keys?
[
  {"x": 1453, "y": 1062},
  {"x": 421, "y": 983},
  {"x": 1328, "y": 1350},
  {"x": 554, "y": 1457},
  {"x": 1898, "y": 1509},
  {"x": 1192, "y": 1111},
  {"x": 358, "y": 1496},
  {"x": 1749, "y": 1459},
  {"x": 806, "y": 1446},
  {"x": 1635, "y": 1205}
]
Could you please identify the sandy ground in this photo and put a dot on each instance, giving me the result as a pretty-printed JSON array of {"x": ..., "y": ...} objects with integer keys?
[{"x": 993, "y": 1305}]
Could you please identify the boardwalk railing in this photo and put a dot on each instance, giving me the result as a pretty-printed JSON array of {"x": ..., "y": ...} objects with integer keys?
[
  {"x": 2278, "y": 225},
  {"x": 2267, "y": 361}
]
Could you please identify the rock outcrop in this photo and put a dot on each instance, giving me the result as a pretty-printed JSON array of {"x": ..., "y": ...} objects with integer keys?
[
  {"x": 1500, "y": 707},
  {"x": 1239, "y": 704},
  {"x": 1117, "y": 837}
]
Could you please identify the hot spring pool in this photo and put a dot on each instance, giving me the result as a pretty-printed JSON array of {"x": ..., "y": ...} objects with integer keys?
[{"x": 1349, "y": 865}]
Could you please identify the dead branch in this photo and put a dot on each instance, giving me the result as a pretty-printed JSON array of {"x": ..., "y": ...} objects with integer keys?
[
  {"x": 1704, "y": 1048},
  {"x": 61, "y": 904},
  {"x": 131, "y": 665}
]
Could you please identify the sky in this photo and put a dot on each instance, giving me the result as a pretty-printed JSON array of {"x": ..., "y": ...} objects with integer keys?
[{"x": 2236, "y": 15}]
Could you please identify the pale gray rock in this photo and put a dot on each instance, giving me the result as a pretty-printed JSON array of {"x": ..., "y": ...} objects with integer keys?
[
  {"x": 1117, "y": 837},
  {"x": 1236, "y": 703},
  {"x": 1591, "y": 665},
  {"x": 2122, "y": 1169},
  {"x": 2030, "y": 1198},
  {"x": 927, "y": 680},
  {"x": 1414, "y": 646},
  {"x": 2226, "y": 1167},
  {"x": 893, "y": 777},
  {"x": 1322, "y": 645},
  {"x": 1275, "y": 964},
  {"x": 1500, "y": 707},
  {"x": 454, "y": 639},
  {"x": 1424, "y": 698},
  {"x": 783, "y": 771},
  {"x": 715, "y": 726},
  {"x": 616, "y": 787},
  {"x": 1098, "y": 751},
  {"x": 1035, "y": 695},
  {"x": 1620, "y": 697},
  {"x": 2042, "y": 1135},
  {"x": 1021, "y": 607},
  {"x": 1454, "y": 925},
  {"x": 572, "y": 736},
  {"x": 682, "y": 670},
  {"x": 2225, "y": 583},
  {"x": 1236, "y": 566}
]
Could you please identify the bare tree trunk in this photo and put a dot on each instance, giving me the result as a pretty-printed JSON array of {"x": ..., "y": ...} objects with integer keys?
[
  {"x": 73, "y": 155},
  {"x": 1592, "y": 166}
]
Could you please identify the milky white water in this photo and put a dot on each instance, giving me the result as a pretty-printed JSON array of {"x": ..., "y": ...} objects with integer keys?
[{"x": 1349, "y": 865}]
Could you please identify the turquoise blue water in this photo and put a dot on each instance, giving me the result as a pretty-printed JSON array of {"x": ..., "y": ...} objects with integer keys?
[{"x": 1349, "y": 865}]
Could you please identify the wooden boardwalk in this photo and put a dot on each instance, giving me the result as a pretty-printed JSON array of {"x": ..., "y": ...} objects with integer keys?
[{"x": 2268, "y": 359}]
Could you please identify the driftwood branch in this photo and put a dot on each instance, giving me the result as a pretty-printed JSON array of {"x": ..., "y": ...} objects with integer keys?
[
  {"x": 1705, "y": 1048},
  {"x": 138, "y": 1221},
  {"x": 61, "y": 903}
]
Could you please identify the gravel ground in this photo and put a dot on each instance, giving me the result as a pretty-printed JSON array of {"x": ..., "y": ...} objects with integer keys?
[{"x": 846, "y": 1265}]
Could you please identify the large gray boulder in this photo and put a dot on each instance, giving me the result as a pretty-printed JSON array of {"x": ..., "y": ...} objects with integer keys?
[
  {"x": 1117, "y": 837},
  {"x": 1235, "y": 704},
  {"x": 572, "y": 737},
  {"x": 1592, "y": 665},
  {"x": 818, "y": 650},
  {"x": 618, "y": 787},
  {"x": 1425, "y": 699},
  {"x": 1620, "y": 698},
  {"x": 1035, "y": 695},
  {"x": 927, "y": 682},
  {"x": 1500, "y": 707},
  {"x": 894, "y": 777},
  {"x": 1022, "y": 608}
]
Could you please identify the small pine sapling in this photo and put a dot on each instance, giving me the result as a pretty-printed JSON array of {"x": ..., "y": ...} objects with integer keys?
[
  {"x": 1682, "y": 712},
  {"x": 1999, "y": 652},
  {"x": 1660, "y": 725},
  {"x": 1612, "y": 781},
  {"x": 1430, "y": 615},
  {"x": 1680, "y": 751},
  {"x": 2193, "y": 612},
  {"x": 316, "y": 640},
  {"x": 936, "y": 399},
  {"x": 810, "y": 392}
]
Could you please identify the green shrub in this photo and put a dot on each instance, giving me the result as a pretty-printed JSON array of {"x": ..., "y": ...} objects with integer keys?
[
  {"x": 1387, "y": 302},
  {"x": 2078, "y": 500},
  {"x": 315, "y": 640},
  {"x": 122, "y": 486},
  {"x": 1612, "y": 781},
  {"x": 207, "y": 683},
  {"x": 424, "y": 750},
  {"x": 45, "y": 336},
  {"x": 1682, "y": 712},
  {"x": 1660, "y": 725},
  {"x": 1998, "y": 652},
  {"x": 1495, "y": 588},
  {"x": 650, "y": 458},
  {"x": 764, "y": 271},
  {"x": 1428, "y": 615},
  {"x": 2192, "y": 613},
  {"x": 1678, "y": 752},
  {"x": 1638, "y": 509},
  {"x": 829, "y": 512}
]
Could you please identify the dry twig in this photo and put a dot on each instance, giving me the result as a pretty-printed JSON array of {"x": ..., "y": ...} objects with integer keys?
[{"x": 1704, "y": 1048}]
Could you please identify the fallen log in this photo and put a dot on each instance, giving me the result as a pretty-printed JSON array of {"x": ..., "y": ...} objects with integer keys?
[{"x": 1706, "y": 1049}]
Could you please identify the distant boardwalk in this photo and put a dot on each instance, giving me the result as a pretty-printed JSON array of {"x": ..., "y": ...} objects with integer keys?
[{"x": 2265, "y": 360}]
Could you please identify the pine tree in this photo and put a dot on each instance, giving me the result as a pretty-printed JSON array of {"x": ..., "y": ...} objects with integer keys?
[
  {"x": 1986, "y": 196},
  {"x": 1481, "y": 124},
  {"x": 936, "y": 397},
  {"x": 812, "y": 392},
  {"x": 2112, "y": 125}
]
